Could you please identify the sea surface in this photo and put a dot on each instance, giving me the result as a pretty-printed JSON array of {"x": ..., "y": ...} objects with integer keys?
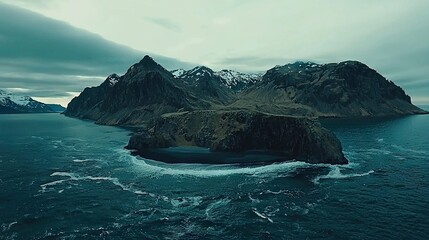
[{"x": 63, "y": 178}]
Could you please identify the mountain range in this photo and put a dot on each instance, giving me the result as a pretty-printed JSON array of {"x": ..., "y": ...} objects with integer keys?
[
  {"x": 12, "y": 103},
  {"x": 304, "y": 89}
]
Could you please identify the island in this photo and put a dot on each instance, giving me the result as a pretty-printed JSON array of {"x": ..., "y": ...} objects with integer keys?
[{"x": 273, "y": 114}]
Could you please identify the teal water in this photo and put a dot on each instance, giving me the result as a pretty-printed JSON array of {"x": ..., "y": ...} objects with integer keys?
[{"x": 62, "y": 178}]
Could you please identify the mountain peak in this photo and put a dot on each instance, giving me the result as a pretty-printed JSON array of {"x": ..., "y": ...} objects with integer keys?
[
  {"x": 147, "y": 59},
  {"x": 146, "y": 65}
]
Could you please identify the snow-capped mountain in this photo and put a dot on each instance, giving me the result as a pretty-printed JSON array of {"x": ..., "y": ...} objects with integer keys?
[
  {"x": 234, "y": 80},
  {"x": 13, "y": 103},
  {"x": 238, "y": 81}
]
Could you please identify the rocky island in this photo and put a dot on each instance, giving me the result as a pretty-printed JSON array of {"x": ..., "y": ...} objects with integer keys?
[
  {"x": 231, "y": 112},
  {"x": 239, "y": 131}
]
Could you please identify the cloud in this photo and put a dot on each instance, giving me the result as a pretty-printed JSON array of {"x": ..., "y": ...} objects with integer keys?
[
  {"x": 52, "y": 58},
  {"x": 165, "y": 23},
  {"x": 387, "y": 35},
  {"x": 252, "y": 63}
]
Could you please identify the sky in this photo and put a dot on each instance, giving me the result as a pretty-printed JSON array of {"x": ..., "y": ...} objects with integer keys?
[{"x": 53, "y": 49}]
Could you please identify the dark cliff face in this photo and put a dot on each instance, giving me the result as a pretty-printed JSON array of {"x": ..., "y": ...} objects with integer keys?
[
  {"x": 347, "y": 89},
  {"x": 297, "y": 138}
]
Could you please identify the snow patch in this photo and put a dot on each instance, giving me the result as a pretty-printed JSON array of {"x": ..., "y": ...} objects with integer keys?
[
  {"x": 7, "y": 97},
  {"x": 233, "y": 78}
]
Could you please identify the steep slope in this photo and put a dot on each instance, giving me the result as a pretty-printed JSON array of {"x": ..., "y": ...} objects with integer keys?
[
  {"x": 146, "y": 91},
  {"x": 12, "y": 103},
  {"x": 206, "y": 85},
  {"x": 346, "y": 89}
]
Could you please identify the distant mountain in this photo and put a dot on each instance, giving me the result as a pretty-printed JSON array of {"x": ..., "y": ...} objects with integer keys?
[
  {"x": 56, "y": 107},
  {"x": 12, "y": 103},
  {"x": 346, "y": 89}
]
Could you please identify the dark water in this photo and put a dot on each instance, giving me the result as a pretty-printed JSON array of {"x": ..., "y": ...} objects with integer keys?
[{"x": 62, "y": 178}]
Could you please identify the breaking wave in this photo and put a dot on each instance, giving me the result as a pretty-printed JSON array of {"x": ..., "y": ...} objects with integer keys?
[{"x": 335, "y": 173}]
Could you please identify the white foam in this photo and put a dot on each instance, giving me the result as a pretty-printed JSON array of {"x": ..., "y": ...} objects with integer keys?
[
  {"x": 186, "y": 201},
  {"x": 218, "y": 204},
  {"x": 64, "y": 174},
  {"x": 254, "y": 200},
  {"x": 75, "y": 177},
  {"x": 206, "y": 170},
  {"x": 335, "y": 173},
  {"x": 50, "y": 184},
  {"x": 83, "y": 160},
  {"x": 262, "y": 215}
]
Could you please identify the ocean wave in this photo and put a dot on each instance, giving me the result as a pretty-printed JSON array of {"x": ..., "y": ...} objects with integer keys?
[
  {"x": 76, "y": 177},
  {"x": 187, "y": 201},
  {"x": 83, "y": 160},
  {"x": 37, "y": 137},
  {"x": 375, "y": 151},
  {"x": 262, "y": 215},
  {"x": 206, "y": 170},
  {"x": 219, "y": 204},
  {"x": 113, "y": 180},
  {"x": 409, "y": 149},
  {"x": 335, "y": 173}
]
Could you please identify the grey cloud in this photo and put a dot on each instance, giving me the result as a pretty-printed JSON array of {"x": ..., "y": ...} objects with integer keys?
[
  {"x": 252, "y": 63},
  {"x": 45, "y": 54}
]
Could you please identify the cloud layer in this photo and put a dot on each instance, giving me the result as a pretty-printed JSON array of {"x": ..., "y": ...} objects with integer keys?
[
  {"x": 49, "y": 58},
  {"x": 248, "y": 35}
]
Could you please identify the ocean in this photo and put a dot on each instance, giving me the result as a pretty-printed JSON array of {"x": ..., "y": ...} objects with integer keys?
[{"x": 63, "y": 178}]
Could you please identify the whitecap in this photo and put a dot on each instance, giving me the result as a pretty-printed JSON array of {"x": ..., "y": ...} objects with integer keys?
[
  {"x": 254, "y": 200},
  {"x": 335, "y": 173},
  {"x": 76, "y": 177},
  {"x": 187, "y": 201},
  {"x": 37, "y": 137},
  {"x": 64, "y": 174},
  {"x": 83, "y": 160},
  {"x": 262, "y": 215},
  {"x": 50, "y": 184},
  {"x": 11, "y": 225},
  {"x": 138, "y": 192}
]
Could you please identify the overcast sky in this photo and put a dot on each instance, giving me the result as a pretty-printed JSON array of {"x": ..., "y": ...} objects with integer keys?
[{"x": 52, "y": 49}]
